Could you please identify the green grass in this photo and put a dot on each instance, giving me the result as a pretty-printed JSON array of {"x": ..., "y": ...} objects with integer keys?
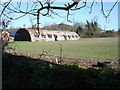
[{"x": 92, "y": 48}]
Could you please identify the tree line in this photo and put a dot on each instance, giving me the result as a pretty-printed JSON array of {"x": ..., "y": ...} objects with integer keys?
[
  {"x": 92, "y": 30},
  {"x": 88, "y": 30}
]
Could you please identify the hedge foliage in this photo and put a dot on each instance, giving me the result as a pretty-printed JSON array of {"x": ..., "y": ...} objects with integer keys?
[{"x": 24, "y": 72}]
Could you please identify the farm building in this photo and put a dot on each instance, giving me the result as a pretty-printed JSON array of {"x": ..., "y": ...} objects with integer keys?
[{"x": 34, "y": 35}]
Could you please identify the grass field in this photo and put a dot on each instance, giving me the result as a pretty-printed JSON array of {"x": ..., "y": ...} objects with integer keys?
[{"x": 89, "y": 48}]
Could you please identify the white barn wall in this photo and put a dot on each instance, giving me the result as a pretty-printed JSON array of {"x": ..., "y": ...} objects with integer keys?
[{"x": 60, "y": 35}]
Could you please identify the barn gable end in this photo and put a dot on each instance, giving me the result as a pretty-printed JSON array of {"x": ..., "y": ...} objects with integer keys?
[{"x": 22, "y": 35}]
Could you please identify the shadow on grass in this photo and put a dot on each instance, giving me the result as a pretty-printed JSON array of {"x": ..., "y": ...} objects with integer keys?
[{"x": 25, "y": 72}]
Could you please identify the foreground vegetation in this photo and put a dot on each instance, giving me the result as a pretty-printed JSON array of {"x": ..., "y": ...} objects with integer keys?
[
  {"x": 85, "y": 48},
  {"x": 24, "y": 72}
]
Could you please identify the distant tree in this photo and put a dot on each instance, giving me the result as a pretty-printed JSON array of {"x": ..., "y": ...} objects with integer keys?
[
  {"x": 79, "y": 29},
  {"x": 92, "y": 28},
  {"x": 110, "y": 33},
  {"x": 89, "y": 30}
]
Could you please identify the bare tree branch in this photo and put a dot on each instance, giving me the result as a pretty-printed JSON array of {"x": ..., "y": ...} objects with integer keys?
[
  {"x": 5, "y": 7},
  {"x": 103, "y": 11},
  {"x": 91, "y": 6},
  {"x": 78, "y": 8},
  {"x": 37, "y": 7},
  {"x": 54, "y": 7}
]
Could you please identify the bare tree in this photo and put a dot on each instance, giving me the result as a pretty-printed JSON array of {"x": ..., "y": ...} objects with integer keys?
[{"x": 35, "y": 8}]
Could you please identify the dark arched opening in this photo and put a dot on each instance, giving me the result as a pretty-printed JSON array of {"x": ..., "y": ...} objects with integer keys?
[
  {"x": 55, "y": 36},
  {"x": 22, "y": 35},
  {"x": 65, "y": 37}
]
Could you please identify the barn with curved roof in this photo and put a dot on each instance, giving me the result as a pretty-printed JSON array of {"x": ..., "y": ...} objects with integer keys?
[{"x": 34, "y": 35}]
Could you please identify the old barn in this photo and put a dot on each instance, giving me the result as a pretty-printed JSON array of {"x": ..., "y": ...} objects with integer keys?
[{"x": 34, "y": 35}]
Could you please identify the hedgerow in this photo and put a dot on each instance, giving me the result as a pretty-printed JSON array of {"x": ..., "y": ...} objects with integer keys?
[{"x": 25, "y": 72}]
